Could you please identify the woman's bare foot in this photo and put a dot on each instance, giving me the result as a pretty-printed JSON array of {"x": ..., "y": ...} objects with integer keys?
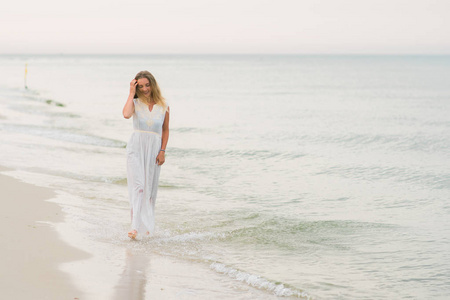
[{"x": 132, "y": 234}]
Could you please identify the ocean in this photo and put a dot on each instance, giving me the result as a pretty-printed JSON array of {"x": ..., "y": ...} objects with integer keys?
[{"x": 303, "y": 176}]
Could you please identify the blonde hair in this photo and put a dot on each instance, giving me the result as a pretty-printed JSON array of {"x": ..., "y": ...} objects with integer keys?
[{"x": 155, "y": 92}]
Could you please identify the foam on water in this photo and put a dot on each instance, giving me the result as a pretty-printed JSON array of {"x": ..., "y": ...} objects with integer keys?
[{"x": 278, "y": 289}]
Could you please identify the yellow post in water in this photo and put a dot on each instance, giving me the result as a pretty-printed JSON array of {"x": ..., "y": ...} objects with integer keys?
[{"x": 25, "y": 80}]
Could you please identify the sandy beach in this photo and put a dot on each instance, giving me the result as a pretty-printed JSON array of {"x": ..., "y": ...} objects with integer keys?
[
  {"x": 33, "y": 252},
  {"x": 31, "y": 249}
]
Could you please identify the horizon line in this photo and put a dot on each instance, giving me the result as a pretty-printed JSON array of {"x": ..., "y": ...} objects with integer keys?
[{"x": 230, "y": 54}]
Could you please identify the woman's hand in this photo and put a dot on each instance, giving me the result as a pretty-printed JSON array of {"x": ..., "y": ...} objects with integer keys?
[
  {"x": 133, "y": 85},
  {"x": 160, "y": 159},
  {"x": 128, "y": 109}
]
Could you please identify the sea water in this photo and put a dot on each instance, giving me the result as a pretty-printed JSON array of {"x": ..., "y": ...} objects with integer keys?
[{"x": 303, "y": 176}]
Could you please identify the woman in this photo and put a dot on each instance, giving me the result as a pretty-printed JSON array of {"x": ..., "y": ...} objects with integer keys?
[{"x": 146, "y": 149}]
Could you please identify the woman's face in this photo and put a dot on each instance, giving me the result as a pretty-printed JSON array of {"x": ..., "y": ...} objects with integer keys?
[{"x": 144, "y": 86}]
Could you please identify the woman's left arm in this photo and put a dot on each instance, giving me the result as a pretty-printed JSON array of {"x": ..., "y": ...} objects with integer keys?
[{"x": 164, "y": 139}]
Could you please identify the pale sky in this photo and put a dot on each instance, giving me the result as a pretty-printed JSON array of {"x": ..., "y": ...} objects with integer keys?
[{"x": 225, "y": 26}]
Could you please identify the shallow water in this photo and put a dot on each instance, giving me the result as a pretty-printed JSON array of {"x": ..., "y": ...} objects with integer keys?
[{"x": 325, "y": 175}]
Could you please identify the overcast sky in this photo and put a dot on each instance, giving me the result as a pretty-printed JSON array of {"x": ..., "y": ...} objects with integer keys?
[{"x": 225, "y": 26}]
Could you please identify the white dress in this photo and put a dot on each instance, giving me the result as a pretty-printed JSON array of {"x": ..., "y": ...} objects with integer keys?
[{"x": 142, "y": 169}]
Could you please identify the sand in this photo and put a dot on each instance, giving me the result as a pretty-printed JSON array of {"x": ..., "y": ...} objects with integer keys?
[{"x": 31, "y": 250}]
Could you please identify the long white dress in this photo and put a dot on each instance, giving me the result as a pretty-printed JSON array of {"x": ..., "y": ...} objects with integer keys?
[{"x": 142, "y": 169}]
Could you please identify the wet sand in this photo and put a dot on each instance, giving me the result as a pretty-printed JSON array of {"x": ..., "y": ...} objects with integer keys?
[{"x": 31, "y": 250}]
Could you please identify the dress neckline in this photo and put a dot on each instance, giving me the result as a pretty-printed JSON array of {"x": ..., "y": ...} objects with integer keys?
[
  {"x": 153, "y": 107},
  {"x": 148, "y": 106}
]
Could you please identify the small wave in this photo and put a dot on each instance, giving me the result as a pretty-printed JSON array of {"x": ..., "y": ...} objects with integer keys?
[
  {"x": 190, "y": 236},
  {"x": 187, "y": 129},
  {"x": 65, "y": 135},
  {"x": 123, "y": 181},
  {"x": 238, "y": 154},
  {"x": 168, "y": 186},
  {"x": 401, "y": 142},
  {"x": 251, "y": 216},
  {"x": 81, "y": 177},
  {"x": 279, "y": 289},
  {"x": 435, "y": 179},
  {"x": 114, "y": 180},
  {"x": 294, "y": 235},
  {"x": 53, "y": 102}
]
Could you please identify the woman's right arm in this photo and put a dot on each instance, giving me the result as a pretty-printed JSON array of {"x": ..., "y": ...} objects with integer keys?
[{"x": 128, "y": 109}]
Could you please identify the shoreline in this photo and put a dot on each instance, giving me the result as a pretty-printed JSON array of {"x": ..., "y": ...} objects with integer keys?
[
  {"x": 32, "y": 250},
  {"x": 44, "y": 259}
]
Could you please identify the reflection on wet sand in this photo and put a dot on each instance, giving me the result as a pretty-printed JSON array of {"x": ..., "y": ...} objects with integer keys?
[{"x": 133, "y": 279}]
